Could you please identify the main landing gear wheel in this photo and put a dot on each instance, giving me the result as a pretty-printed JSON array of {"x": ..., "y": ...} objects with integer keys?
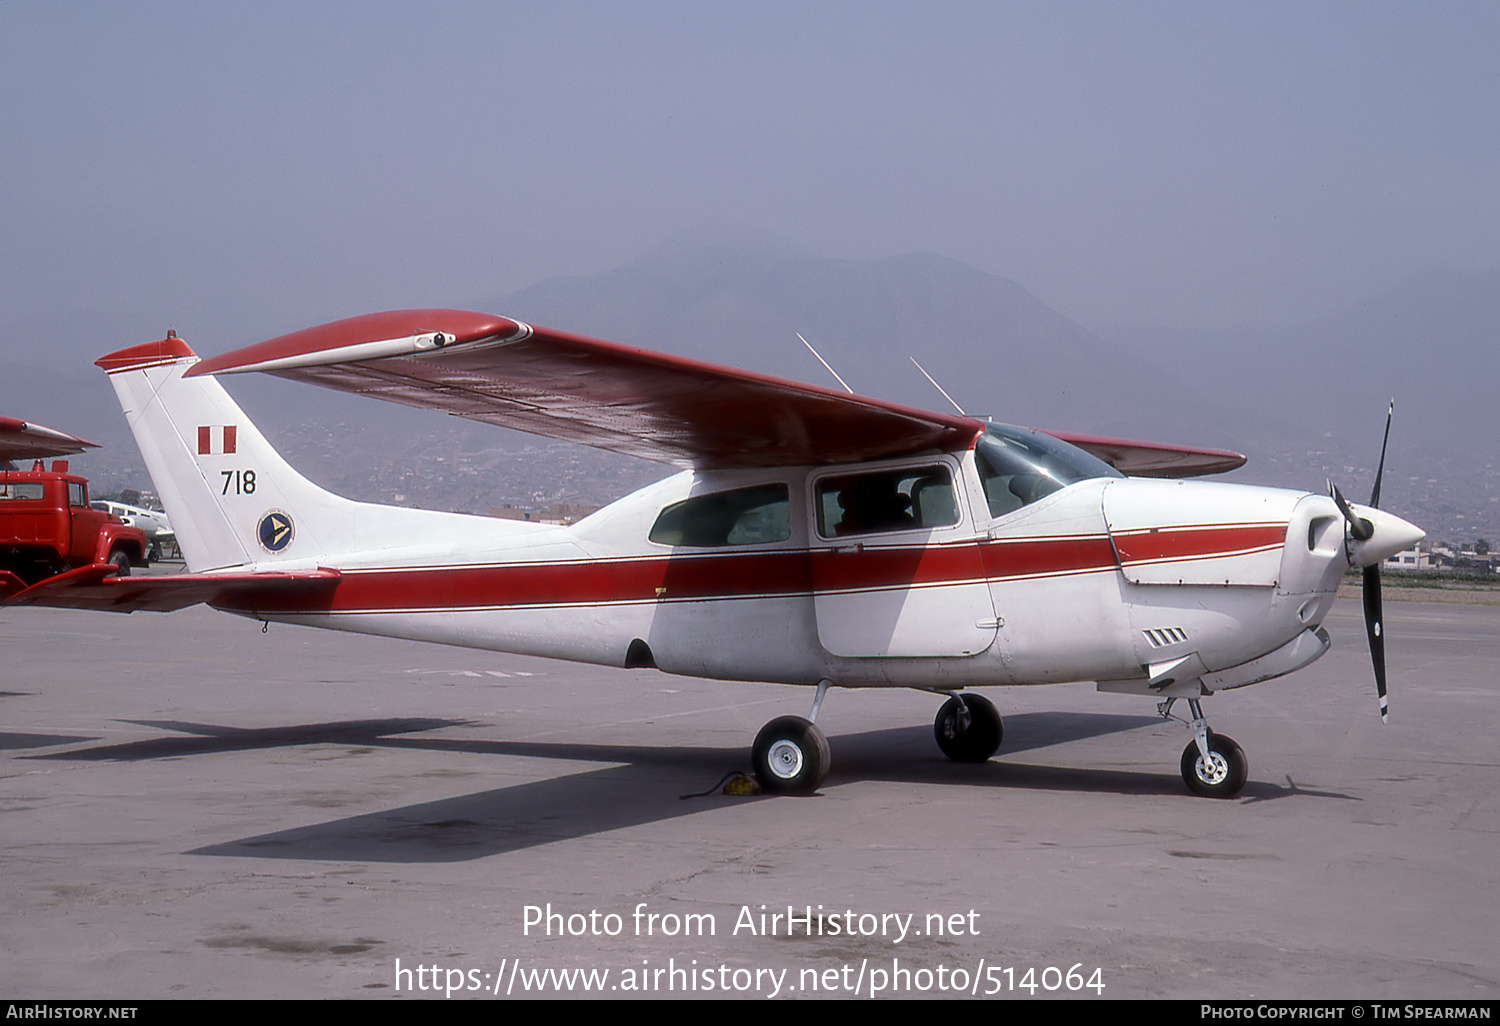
[
  {"x": 791, "y": 756},
  {"x": 968, "y": 729},
  {"x": 1222, "y": 774}
]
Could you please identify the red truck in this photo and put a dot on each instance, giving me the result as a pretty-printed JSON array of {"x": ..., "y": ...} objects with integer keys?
[{"x": 46, "y": 525}]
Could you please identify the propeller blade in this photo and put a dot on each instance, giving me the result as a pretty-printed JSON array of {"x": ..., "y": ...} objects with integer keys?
[
  {"x": 1375, "y": 632},
  {"x": 1380, "y": 469},
  {"x": 1370, "y": 590}
]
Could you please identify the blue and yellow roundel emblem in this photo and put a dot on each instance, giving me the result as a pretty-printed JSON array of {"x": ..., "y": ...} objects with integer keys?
[{"x": 275, "y": 531}]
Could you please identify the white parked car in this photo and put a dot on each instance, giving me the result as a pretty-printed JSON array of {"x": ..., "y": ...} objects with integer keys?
[{"x": 152, "y": 522}]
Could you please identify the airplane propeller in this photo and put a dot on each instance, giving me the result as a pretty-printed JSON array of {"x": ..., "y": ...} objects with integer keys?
[{"x": 1361, "y": 530}]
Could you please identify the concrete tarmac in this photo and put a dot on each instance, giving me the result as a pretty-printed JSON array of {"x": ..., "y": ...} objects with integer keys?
[{"x": 191, "y": 808}]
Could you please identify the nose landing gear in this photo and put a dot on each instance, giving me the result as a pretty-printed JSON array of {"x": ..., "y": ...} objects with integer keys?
[{"x": 1213, "y": 765}]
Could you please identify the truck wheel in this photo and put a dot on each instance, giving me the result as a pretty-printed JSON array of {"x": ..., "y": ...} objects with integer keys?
[{"x": 120, "y": 560}]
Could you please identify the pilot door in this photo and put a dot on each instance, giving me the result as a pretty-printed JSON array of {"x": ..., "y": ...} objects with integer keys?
[{"x": 896, "y": 568}]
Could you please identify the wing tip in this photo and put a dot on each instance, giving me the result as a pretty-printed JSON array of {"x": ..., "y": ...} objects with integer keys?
[
  {"x": 23, "y": 440},
  {"x": 307, "y": 345},
  {"x": 1155, "y": 459}
]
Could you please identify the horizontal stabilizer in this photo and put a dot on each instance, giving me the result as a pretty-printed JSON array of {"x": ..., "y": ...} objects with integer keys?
[
  {"x": 10, "y": 584},
  {"x": 94, "y": 587}
]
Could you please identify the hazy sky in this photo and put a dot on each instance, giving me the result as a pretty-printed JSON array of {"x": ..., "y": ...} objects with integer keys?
[{"x": 238, "y": 170}]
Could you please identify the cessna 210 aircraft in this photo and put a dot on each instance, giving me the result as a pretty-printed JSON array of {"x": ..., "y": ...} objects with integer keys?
[{"x": 813, "y": 537}]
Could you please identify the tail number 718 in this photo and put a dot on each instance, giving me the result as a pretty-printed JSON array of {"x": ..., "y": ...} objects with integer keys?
[{"x": 242, "y": 481}]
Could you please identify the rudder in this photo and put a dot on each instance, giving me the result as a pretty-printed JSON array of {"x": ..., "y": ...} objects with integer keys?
[{"x": 232, "y": 499}]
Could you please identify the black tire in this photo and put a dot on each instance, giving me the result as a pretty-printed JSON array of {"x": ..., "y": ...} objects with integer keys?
[
  {"x": 1224, "y": 777},
  {"x": 974, "y": 741},
  {"x": 120, "y": 560},
  {"x": 791, "y": 756}
]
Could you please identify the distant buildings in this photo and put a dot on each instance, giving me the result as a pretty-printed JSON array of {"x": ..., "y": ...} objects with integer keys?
[
  {"x": 1445, "y": 557},
  {"x": 557, "y": 513}
]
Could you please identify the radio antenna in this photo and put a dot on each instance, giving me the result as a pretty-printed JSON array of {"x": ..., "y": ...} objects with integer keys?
[
  {"x": 935, "y": 385},
  {"x": 826, "y": 365}
]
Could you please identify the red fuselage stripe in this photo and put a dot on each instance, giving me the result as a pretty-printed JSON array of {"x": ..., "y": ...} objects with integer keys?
[
  {"x": 749, "y": 574},
  {"x": 1197, "y": 542}
]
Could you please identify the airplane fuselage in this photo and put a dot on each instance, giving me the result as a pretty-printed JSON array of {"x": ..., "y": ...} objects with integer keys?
[{"x": 1101, "y": 580}]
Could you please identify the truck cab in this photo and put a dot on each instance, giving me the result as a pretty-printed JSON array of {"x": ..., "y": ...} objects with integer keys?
[{"x": 47, "y": 526}]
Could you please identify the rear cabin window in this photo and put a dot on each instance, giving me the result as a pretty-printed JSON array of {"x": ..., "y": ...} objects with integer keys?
[
  {"x": 887, "y": 500},
  {"x": 20, "y": 490},
  {"x": 742, "y": 516}
]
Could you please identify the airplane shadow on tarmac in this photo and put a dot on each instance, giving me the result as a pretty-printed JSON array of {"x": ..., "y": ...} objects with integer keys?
[{"x": 640, "y": 785}]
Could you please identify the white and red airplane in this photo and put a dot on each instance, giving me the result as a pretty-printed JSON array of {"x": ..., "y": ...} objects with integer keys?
[
  {"x": 20, "y": 440},
  {"x": 812, "y": 538}
]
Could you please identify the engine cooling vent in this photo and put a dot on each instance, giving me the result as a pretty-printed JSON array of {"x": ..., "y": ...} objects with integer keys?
[{"x": 1161, "y": 637}]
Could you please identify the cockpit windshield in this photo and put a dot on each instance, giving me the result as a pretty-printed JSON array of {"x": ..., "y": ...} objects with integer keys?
[{"x": 1019, "y": 466}]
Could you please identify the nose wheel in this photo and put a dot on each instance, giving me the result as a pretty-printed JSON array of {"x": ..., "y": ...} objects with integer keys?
[
  {"x": 1221, "y": 774},
  {"x": 1213, "y": 765}
]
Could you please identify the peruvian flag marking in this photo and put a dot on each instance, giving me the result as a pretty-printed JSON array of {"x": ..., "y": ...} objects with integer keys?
[{"x": 227, "y": 435}]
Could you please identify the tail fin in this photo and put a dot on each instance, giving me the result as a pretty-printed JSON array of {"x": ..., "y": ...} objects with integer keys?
[{"x": 232, "y": 499}]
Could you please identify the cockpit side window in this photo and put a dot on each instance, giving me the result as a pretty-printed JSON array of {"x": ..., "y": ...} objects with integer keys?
[
  {"x": 1018, "y": 466},
  {"x": 886, "y": 500},
  {"x": 742, "y": 516}
]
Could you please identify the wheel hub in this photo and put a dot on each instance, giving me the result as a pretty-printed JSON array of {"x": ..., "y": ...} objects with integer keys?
[
  {"x": 1214, "y": 769},
  {"x": 785, "y": 759}
]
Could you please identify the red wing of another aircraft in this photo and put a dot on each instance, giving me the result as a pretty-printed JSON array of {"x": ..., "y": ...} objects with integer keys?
[
  {"x": 634, "y": 401},
  {"x": 22, "y": 441}
]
